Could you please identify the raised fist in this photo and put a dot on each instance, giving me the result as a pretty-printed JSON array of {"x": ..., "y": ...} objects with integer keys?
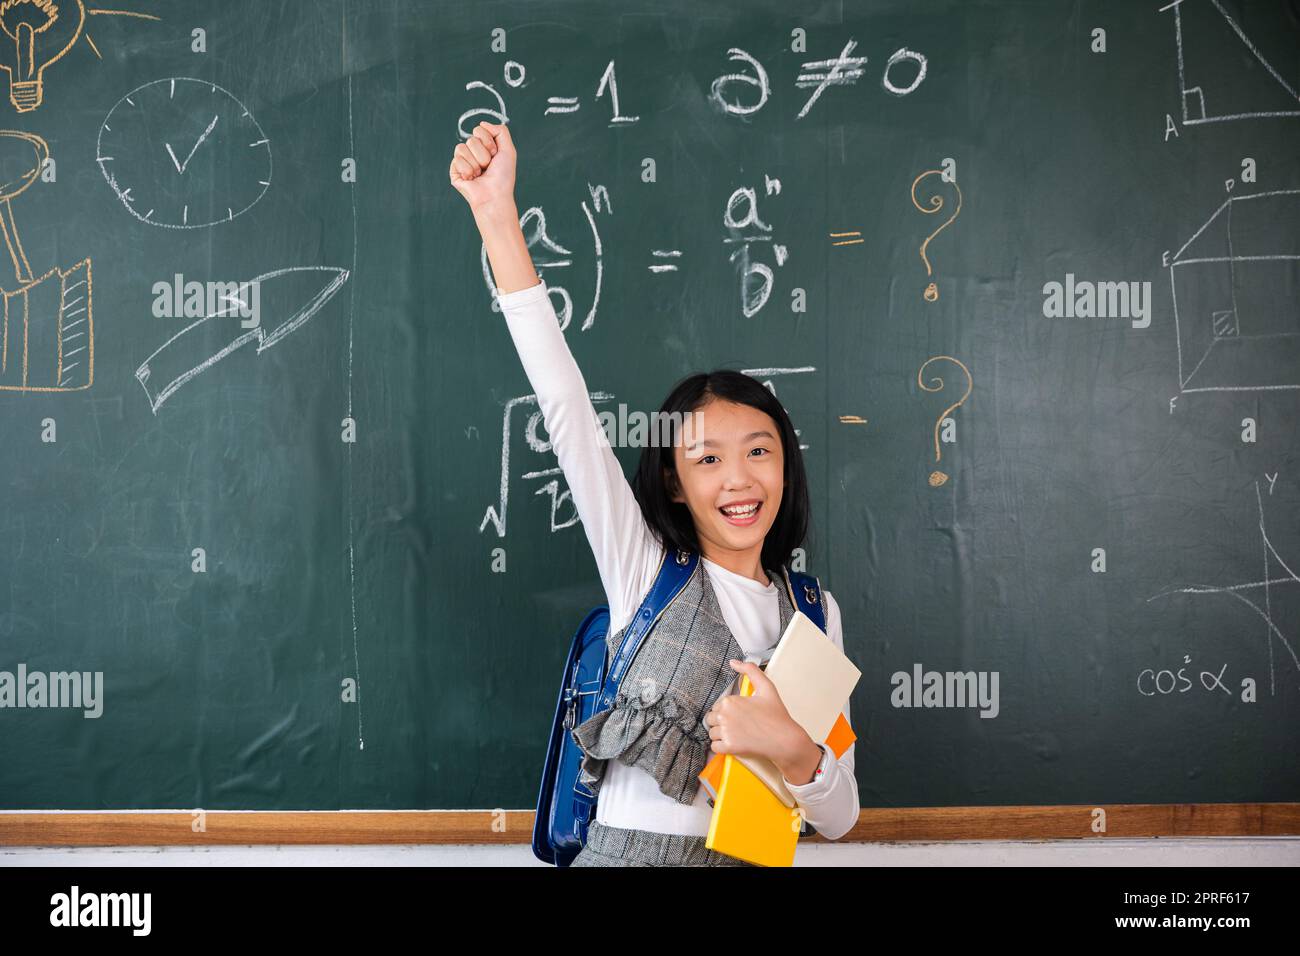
[{"x": 483, "y": 167}]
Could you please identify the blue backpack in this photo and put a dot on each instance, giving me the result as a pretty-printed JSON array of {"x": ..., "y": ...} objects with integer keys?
[{"x": 566, "y": 807}]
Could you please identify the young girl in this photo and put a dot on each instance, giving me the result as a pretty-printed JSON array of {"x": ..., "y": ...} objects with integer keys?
[{"x": 730, "y": 487}]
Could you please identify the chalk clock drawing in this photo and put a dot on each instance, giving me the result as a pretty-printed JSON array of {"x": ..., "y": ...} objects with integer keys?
[{"x": 183, "y": 153}]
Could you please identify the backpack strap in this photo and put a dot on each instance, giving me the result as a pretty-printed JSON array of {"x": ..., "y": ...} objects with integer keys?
[
  {"x": 671, "y": 578},
  {"x": 808, "y": 596}
]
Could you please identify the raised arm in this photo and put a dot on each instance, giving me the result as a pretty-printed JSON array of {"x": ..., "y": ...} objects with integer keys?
[{"x": 626, "y": 552}]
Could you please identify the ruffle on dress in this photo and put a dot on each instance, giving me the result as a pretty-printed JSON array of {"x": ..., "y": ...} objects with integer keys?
[{"x": 656, "y": 734}]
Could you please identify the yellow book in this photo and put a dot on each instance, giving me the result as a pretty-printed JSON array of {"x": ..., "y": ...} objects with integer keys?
[
  {"x": 749, "y": 821},
  {"x": 755, "y": 817}
]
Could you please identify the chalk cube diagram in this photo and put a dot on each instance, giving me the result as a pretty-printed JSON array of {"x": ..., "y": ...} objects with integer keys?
[{"x": 1236, "y": 295}]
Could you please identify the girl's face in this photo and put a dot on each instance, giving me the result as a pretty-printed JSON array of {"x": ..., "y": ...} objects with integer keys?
[{"x": 730, "y": 455}]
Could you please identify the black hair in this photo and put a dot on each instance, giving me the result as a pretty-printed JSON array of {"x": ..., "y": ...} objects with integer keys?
[{"x": 670, "y": 520}]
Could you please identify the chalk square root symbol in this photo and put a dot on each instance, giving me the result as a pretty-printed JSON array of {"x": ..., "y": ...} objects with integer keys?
[{"x": 1236, "y": 295}]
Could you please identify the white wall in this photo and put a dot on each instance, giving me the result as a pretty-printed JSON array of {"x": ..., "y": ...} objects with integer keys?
[{"x": 1217, "y": 851}]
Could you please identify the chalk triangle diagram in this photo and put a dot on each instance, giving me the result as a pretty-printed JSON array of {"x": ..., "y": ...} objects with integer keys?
[
  {"x": 1235, "y": 286},
  {"x": 1226, "y": 74},
  {"x": 289, "y": 297}
]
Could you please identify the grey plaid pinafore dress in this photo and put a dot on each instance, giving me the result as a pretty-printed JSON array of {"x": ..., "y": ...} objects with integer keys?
[{"x": 657, "y": 722}]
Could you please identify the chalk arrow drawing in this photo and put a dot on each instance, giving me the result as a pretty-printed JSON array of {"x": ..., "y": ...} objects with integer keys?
[{"x": 172, "y": 365}]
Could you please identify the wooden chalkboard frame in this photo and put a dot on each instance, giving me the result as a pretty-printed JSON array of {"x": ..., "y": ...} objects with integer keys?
[{"x": 368, "y": 827}]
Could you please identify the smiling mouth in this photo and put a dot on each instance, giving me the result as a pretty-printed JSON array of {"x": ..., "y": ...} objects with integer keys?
[{"x": 744, "y": 519}]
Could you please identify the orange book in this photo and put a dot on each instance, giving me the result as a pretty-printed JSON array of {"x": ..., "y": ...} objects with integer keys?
[{"x": 838, "y": 740}]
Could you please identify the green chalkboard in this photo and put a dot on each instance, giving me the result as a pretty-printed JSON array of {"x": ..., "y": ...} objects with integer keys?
[{"x": 283, "y": 494}]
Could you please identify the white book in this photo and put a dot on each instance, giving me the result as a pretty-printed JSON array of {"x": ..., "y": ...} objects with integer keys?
[{"x": 814, "y": 679}]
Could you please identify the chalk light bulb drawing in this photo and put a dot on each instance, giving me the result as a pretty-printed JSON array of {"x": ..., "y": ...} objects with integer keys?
[{"x": 41, "y": 32}]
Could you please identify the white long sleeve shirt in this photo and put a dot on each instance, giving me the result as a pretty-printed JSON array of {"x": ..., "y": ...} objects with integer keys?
[{"x": 627, "y": 558}]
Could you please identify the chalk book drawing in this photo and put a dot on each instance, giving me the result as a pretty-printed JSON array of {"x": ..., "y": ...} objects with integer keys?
[{"x": 46, "y": 330}]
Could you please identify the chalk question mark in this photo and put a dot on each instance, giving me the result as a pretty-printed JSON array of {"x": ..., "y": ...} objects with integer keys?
[
  {"x": 937, "y": 477},
  {"x": 935, "y": 204}
]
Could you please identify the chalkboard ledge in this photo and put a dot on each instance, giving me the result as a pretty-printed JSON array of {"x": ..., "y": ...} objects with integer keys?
[{"x": 376, "y": 827}]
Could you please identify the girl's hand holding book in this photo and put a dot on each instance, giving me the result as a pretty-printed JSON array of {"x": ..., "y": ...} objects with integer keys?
[{"x": 758, "y": 725}]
